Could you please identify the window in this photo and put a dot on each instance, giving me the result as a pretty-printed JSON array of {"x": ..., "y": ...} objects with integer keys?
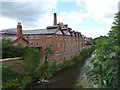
[
  {"x": 72, "y": 50},
  {"x": 56, "y": 37},
  {"x": 65, "y": 37},
  {"x": 60, "y": 37},
  {"x": 69, "y": 38},
  {"x": 65, "y": 51},
  {"x": 61, "y": 44},
  {"x": 61, "y": 52},
  {"x": 56, "y": 52},
  {"x": 26, "y": 37},
  {"x": 69, "y": 44},
  {"x": 65, "y": 44},
  {"x": 37, "y": 36},
  {"x": 37, "y": 44},
  {"x": 56, "y": 44},
  {"x": 31, "y": 37},
  {"x": 69, "y": 50},
  {"x": 31, "y": 44}
]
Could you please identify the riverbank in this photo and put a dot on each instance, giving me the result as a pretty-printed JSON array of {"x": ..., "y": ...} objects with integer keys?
[
  {"x": 30, "y": 74},
  {"x": 61, "y": 68},
  {"x": 83, "y": 82}
]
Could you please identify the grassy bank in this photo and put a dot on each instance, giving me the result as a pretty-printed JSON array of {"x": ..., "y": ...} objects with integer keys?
[{"x": 29, "y": 70}]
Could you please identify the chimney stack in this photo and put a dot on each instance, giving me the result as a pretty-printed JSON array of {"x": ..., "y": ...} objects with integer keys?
[
  {"x": 55, "y": 19},
  {"x": 19, "y": 29}
]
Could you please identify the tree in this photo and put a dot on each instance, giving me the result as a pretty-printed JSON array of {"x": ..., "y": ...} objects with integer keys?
[
  {"x": 9, "y": 50},
  {"x": 48, "y": 51},
  {"x": 105, "y": 69}
]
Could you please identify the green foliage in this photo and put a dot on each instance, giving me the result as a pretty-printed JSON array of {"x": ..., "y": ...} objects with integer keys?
[
  {"x": 9, "y": 78},
  {"x": 8, "y": 74},
  {"x": 32, "y": 59},
  {"x": 12, "y": 84},
  {"x": 9, "y": 50},
  {"x": 53, "y": 67},
  {"x": 24, "y": 80},
  {"x": 49, "y": 49},
  {"x": 44, "y": 70},
  {"x": 105, "y": 64}
]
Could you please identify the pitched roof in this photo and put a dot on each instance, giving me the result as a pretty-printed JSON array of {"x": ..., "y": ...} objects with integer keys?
[
  {"x": 9, "y": 31},
  {"x": 14, "y": 38},
  {"x": 40, "y": 31},
  {"x": 27, "y": 32},
  {"x": 22, "y": 38}
]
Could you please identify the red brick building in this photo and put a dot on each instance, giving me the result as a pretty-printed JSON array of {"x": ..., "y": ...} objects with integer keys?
[{"x": 66, "y": 42}]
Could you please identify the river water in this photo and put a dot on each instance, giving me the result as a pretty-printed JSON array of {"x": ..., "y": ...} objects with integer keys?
[{"x": 66, "y": 78}]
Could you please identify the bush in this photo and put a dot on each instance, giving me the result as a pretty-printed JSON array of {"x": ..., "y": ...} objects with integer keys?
[
  {"x": 12, "y": 84},
  {"x": 9, "y": 78},
  {"x": 8, "y": 74},
  {"x": 105, "y": 63},
  {"x": 32, "y": 59},
  {"x": 9, "y": 50}
]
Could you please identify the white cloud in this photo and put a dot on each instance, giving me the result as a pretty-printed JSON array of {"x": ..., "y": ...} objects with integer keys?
[
  {"x": 47, "y": 20},
  {"x": 6, "y": 23},
  {"x": 101, "y": 10},
  {"x": 27, "y": 12},
  {"x": 94, "y": 33}
]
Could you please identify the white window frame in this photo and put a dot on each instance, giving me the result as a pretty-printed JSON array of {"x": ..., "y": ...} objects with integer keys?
[
  {"x": 65, "y": 37},
  {"x": 60, "y": 37},
  {"x": 56, "y": 52},
  {"x": 61, "y": 52},
  {"x": 56, "y": 37},
  {"x": 32, "y": 44},
  {"x": 56, "y": 44},
  {"x": 37, "y": 44},
  {"x": 26, "y": 36},
  {"x": 65, "y": 44},
  {"x": 65, "y": 51},
  {"x": 37, "y": 36},
  {"x": 31, "y": 36}
]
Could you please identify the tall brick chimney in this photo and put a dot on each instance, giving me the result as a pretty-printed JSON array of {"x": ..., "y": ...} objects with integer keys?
[
  {"x": 19, "y": 29},
  {"x": 55, "y": 19}
]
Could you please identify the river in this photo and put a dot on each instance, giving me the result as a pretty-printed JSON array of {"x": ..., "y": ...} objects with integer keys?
[{"x": 66, "y": 78}]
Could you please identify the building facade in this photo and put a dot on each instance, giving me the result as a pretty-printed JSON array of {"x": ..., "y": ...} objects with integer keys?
[{"x": 66, "y": 42}]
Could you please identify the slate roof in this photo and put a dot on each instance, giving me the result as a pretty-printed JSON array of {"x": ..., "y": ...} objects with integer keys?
[
  {"x": 9, "y": 31},
  {"x": 29, "y": 32},
  {"x": 40, "y": 31},
  {"x": 11, "y": 37}
]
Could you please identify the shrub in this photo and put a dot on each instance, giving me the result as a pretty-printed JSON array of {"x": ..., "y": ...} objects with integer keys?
[
  {"x": 9, "y": 50},
  {"x": 32, "y": 59}
]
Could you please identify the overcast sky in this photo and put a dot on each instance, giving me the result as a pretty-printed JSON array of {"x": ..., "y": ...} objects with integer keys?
[{"x": 90, "y": 17}]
